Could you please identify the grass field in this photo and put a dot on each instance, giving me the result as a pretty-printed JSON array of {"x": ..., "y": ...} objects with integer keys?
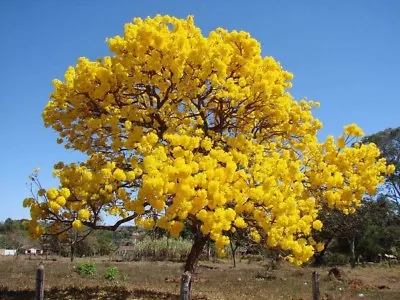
[{"x": 160, "y": 280}]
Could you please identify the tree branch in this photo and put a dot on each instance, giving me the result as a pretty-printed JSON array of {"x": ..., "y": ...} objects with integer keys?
[{"x": 110, "y": 227}]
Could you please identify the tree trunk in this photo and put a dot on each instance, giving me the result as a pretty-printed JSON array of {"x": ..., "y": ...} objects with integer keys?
[
  {"x": 319, "y": 256},
  {"x": 190, "y": 265},
  {"x": 352, "y": 252},
  {"x": 208, "y": 250},
  {"x": 72, "y": 252},
  {"x": 233, "y": 250}
]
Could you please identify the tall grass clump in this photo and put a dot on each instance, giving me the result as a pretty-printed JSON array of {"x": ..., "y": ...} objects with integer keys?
[{"x": 159, "y": 249}]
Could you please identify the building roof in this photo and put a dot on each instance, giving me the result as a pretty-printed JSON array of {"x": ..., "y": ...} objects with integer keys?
[{"x": 27, "y": 247}]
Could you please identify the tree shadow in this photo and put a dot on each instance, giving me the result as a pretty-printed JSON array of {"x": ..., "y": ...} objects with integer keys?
[{"x": 99, "y": 292}]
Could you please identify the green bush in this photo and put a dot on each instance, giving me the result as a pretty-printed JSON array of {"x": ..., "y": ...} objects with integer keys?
[
  {"x": 86, "y": 269},
  {"x": 336, "y": 259},
  {"x": 111, "y": 273}
]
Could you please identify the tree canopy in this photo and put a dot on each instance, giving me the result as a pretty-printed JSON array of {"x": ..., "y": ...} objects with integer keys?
[
  {"x": 388, "y": 142},
  {"x": 182, "y": 128}
]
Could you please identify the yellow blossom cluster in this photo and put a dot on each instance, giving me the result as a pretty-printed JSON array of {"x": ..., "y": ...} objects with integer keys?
[
  {"x": 86, "y": 190},
  {"x": 182, "y": 128}
]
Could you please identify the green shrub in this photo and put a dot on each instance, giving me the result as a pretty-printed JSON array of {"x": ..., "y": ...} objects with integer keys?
[
  {"x": 111, "y": 273},
  {"x": 86, "y": 269},
  {"x": 336, "y": 259}
]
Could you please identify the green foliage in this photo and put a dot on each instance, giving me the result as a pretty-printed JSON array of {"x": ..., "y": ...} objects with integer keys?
[
  {"x": 86, "y": 269},
  {"x": 160, "y": 249},
  {"x": 381, "y": 229},
  {"x": 13, "y": 234},
  {"x": 375, "y": 229},
  {"x": 104, "y": 242},
  {"x": 11, "y": 225},
  {"x": 2, "y": 241},
  {"x": 388, "y": 142},
  {"x": 369, "y": 242},
  {"x": 123, "y": 235},
  {"x": 86, "y": 247},
  {"x": 111, "y": 273},
  {"x": 336, "y": 259}
]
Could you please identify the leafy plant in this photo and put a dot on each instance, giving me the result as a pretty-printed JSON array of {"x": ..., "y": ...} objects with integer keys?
[
  {"x": 111, "y": 273},
  {"x": 86, "y": 269}
]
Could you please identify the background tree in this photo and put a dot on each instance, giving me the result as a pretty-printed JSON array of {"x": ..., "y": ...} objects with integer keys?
[
  {"x": 180, "y": 127},
  {"x": 14, "y": 234},
  {"x": 51, "y": 244},
  {"x": 371, "y": 231},
  {"x": 237, "y": 239},
  {"x": 11, "y": 225},
  {"x": 74, "y": 240},
  {"x": 340, "y": 226},
  {"x": 388, "y": 142},
  {"x": 124, "y": 235},
  {"x": 381, "y": 229},
  {"x": 15, "y": 240},
  {"x": 88, "y": 247},
  {"x": 104, "y": 243}
]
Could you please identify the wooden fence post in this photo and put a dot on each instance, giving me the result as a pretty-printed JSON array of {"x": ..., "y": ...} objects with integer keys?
[
  {"x": 39, "y": 295},
  {"x": 315, "y": 285},
  {"x": 185, "y": 286}
]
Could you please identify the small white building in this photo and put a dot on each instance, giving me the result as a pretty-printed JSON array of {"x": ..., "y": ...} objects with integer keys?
[
  {"x": 8, "y": 252},
  {"x": 33, "y": 251}
]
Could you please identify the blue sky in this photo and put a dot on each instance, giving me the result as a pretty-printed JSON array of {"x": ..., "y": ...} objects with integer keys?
[{"x": 344, "y": 54}]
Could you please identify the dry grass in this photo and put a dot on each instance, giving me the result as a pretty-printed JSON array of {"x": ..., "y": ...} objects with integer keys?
[{"x": 160, "y": 280}]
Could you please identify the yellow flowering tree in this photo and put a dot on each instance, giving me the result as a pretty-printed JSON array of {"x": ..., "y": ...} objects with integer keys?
[{"x": 183, "y": 128}]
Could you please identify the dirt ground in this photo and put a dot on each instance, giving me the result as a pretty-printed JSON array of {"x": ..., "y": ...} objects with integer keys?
[{"x": 160, "y": 280}]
